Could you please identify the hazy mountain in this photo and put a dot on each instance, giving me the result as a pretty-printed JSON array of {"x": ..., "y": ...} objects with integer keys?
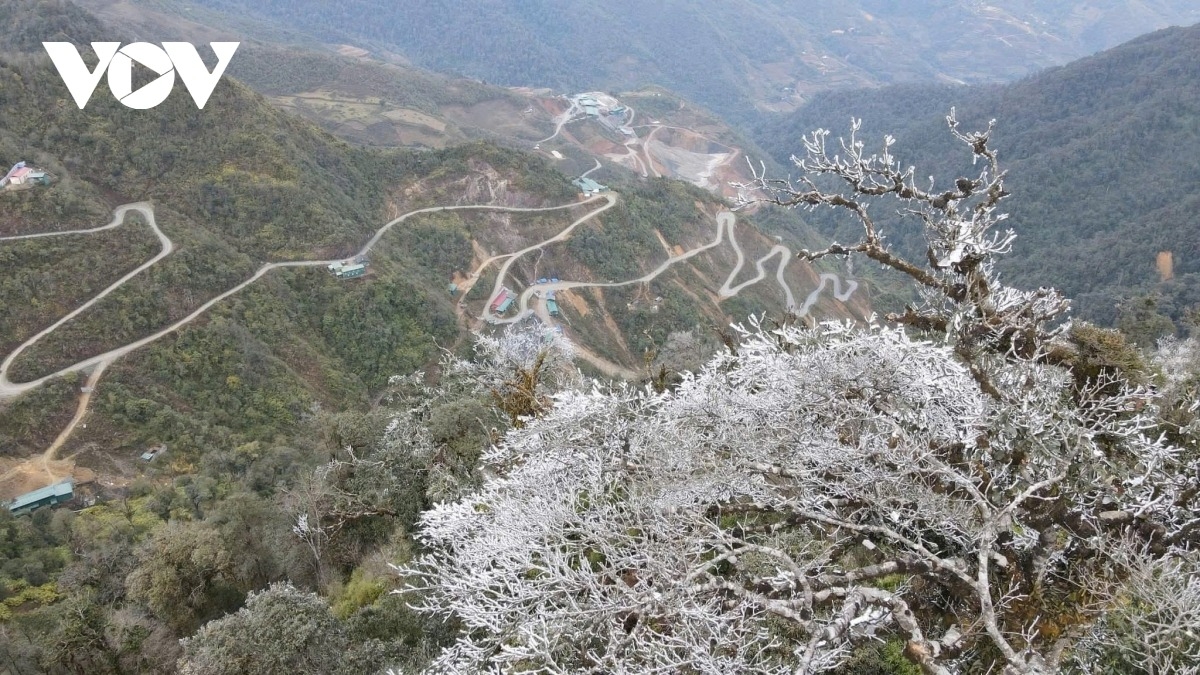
[
  {"x": 727, "y": 55},
  {"x": 1104, "y": 159},
  {"x": 242, "y": 183}
]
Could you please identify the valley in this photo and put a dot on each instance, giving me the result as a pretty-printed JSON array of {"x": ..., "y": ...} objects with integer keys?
[
  {"x": 1104, "y": 169},
  {"x": 733, "y": 57},
  {"x": 465, "y": 337},
  {"x": 16, "y": 480}
]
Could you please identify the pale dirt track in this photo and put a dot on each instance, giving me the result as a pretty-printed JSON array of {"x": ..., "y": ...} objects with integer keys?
[
  {"x": 96, "y": 365},
  {"x": 9, "y": 389},
  {"x": 725, "y": 227}
]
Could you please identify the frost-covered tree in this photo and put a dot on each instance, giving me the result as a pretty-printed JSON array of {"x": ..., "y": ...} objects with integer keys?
[
  {"x": 947, "y": 480},
  {"x": 507, "y": 381}
]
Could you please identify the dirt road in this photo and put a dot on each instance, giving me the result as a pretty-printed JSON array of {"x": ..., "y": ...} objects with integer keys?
[
  {"x": 725, "y": 227},
  {"x": 96, "y": 365},
  {"x": 9, "y": 389}
]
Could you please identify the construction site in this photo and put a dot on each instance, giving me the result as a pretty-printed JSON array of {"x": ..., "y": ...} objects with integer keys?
[{"x": 608, "y": 129}]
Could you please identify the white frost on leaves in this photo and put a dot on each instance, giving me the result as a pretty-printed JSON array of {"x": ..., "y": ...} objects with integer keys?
[{"x": 609, "y": 540}]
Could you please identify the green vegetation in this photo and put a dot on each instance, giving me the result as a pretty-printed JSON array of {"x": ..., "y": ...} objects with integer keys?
[
  {"x": 267, "y": 404},
  {"x": 31, "y": 22},
  {"x": 1103, "y": 162},
  {"x": 234, "y": 185},
  {"x": 728, "y": 56},
  {"x": 32, "y": 422},
  {"x": 282, "y": 70},
  {"x": 47, "y": 278}
]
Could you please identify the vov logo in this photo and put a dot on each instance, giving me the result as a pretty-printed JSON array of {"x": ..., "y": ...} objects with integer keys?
[{"x": 171, "y": 58}]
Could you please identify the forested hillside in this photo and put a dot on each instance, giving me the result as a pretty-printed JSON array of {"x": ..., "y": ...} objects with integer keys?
[
  {"x": 248, "y": 402},
  {"x": 729, "y": 56},
  {"x": 368, "y": 473},
  {"x": 1105, "y": 161}
]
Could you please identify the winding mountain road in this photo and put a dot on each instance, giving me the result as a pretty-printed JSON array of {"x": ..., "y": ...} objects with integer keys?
[
  {"x": 96, "y": 365},
  {"x": 9, "y": 389},
  {"x": 725, "y": 227},
  {"x": 561, "y": 121}
]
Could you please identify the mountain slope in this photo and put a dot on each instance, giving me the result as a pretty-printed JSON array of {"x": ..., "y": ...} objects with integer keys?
[
  {"x": 1104, "y": 159},
  {"x": 241, "y": 184},
  {"x": 726, "y": 55}
]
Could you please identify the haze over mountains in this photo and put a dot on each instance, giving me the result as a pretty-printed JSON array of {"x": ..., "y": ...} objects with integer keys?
[
  {"x": 729, "y": 55},
  {"x": 297, "y": 339},
  {"x": 1104, "y": 162}
]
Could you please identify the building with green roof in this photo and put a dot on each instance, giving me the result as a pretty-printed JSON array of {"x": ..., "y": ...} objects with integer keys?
[{"x": 51, "y": 495}]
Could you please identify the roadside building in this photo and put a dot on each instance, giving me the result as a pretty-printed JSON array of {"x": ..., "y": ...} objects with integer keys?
[
  {"x": 508, "y": 302},
  {"x": 552, "y": 307},
  {"x": 8, "y": 176},
  {"x": 51, "y": 495},
  {"x": 19, "y": 176},
  {"x": 348, "y": 270},
  {"x": 352, "y": 271},
  {"x": 589, "y": 186},
  {"x": 500, "y": 298},
  {"x": 453, "y": 289}
]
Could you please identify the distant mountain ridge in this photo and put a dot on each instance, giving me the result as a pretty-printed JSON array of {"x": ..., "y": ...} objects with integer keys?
[
  {"x": 243, "y": 183},
  {"x": 729, "y": 55},
  {"x": 1104, "y": 161}
]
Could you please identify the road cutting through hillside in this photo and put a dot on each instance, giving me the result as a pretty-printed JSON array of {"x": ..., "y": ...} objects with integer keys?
[
  {"x": 725, "y": 225},
  {"x": 560, "y": 122},
  {"x": 96, "y": 365},
  {"x": 9, "y": 389}
]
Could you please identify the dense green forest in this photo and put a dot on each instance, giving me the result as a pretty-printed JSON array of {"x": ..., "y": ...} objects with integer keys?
[{"x": 1105, "y": 160}]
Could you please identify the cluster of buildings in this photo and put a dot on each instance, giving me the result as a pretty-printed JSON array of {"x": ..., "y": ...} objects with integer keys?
[
  {"x": 551, "y": 303},
  {"x": 613, "y": 117},
  {"x": 21, "y": 175},
  {"x": 591, "y": 106},
  {"x": 503, "y": 301},
  {"x": 617, "y": 121},
  {"x": 349, "y": 269}
]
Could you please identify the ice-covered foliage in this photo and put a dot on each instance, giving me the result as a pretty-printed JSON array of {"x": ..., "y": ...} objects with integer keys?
[
  {"x": 522, "y": 348},
  {"x": 817, "y": 489},
  {"x": 749, "y": 521}
]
